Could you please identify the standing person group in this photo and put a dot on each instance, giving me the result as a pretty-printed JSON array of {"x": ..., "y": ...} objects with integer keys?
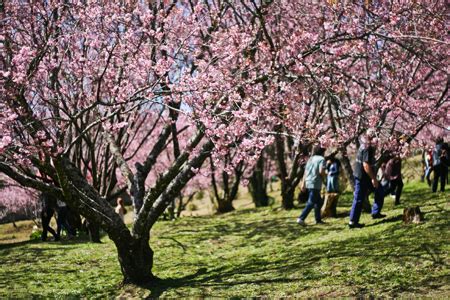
[
  {"x": 50, "y": 206},
  {"x": 388, "y": 181}
]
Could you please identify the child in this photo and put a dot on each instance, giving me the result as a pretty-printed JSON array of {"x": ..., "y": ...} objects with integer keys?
[{"x": 120, "y": 208}]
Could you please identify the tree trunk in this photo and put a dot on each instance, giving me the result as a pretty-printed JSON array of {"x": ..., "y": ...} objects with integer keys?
[
  {"x": 412, "y": 215},
  {"x": 94, "y": 232},
  {"x": 258, "y": 185},
  {"x": 287, "y": 194},
  {"x": 259, "y": 194},
  {"x": 224, "y": 205},
  {"x": 348, "y": 169},
  {"x": 136, "y": 260},
  {"x": 330, "y": 205}
]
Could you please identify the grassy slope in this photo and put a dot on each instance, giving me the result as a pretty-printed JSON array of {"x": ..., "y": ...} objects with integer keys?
[{"x": 254, "y": 252}]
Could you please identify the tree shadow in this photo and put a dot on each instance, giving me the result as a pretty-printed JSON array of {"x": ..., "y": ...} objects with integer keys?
[
  {"x": 306, "y": 261},
  {"x": 415, "y": 244},
  {"x": 17, "y": 244},
  {"x": 387, "y": 220},
  {"x": 158, "y": 286}
]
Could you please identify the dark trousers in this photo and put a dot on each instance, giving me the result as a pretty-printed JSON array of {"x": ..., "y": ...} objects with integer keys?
[
  {"x": 314, "y": 201},
  {"x": 46, "y": 216},
  {"x": 362, "y": 189},
  {"x": 396, "y": 188},
  {"x": 439, "y": 175},
  {"x": 62, "y": 221}
]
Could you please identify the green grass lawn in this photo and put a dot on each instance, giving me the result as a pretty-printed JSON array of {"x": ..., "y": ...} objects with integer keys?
[{"x": 254, "y": 252}]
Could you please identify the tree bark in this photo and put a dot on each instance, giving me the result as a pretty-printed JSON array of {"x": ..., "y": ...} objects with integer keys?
[
  {"x": 258, "y": 185},
  {"x": 348, "y": 169},
  {"x": 94, "y": 232},
  {"x": 330, "y": 206},
  {"x": 136, "y": 259},
  {"x": 287, "y": 193},
  {"x": 135, "y": 254},
  {"x": 287, "y": 196},
  {"x": 224, "y": 206}
]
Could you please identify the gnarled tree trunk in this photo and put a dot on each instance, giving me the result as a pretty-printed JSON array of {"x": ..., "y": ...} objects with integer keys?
[
  {"x": 258, "y": 184},
  {"x": 136, "y": 259}
]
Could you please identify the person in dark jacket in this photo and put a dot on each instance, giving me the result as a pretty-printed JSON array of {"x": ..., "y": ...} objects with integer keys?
[
  {"x": 393, "y": 174},
  {"x": 62, "y": 220},
  {"x": 446, "y": 150},
  {"x": 47, "y": 212},
  {"x": 439, "y": 165}
]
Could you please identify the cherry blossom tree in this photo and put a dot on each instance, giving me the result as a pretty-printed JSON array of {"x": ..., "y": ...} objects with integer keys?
[
  {"x": 76, "y": 77},
  {"x": 17, "y": 200}
]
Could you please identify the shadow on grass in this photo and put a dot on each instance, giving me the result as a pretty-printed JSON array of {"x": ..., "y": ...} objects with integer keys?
[
  {"x": 17, "y": 244},
  {"x": 306, "y": 263},
  {"x": 387, "y": 220},
  {"x": 384, "y": 248},
  {"x": 210, "y": 278},
  {"x": 40, "y": 248}
]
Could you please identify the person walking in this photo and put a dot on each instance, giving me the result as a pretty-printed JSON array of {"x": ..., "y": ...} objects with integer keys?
[
  {"x": 439, "y": 165},
  {"x": 366, "y": 182},
  {"x": 314, "y": 171},
  {"x": 47, "y": 212}
]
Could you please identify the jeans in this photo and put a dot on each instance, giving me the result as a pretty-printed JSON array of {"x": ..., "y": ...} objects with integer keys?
[
  {"x": 332, "y": 183},
  {"x": 362, "y": 190},
  {"x": 314, "y": 201},
  {"x": 439, "y": 173},
  {"x": 428, "y": 170}
]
